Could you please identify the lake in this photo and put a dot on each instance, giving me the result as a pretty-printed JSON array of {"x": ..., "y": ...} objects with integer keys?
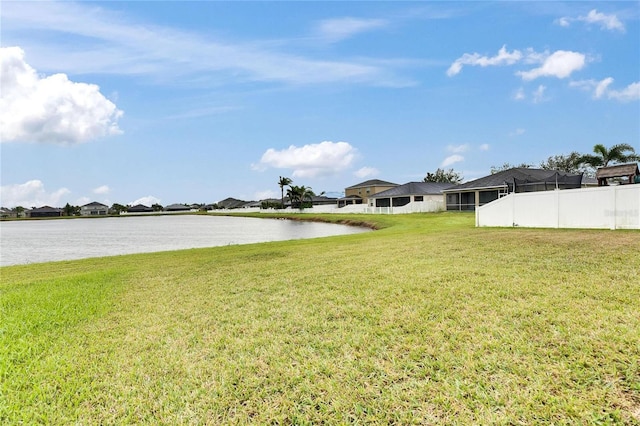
[{"x": 34, "y": 241}]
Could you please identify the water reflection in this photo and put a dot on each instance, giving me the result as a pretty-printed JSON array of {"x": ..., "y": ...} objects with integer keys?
[{"x": 49, "y": 240}]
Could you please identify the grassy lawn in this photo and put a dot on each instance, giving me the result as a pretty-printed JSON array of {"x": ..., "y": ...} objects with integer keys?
[{"x": 428, "y": 320}]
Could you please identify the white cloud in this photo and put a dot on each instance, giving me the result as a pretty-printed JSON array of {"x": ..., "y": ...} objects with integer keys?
[
  {"x": 600, "y": 89},
  {"x": 517, "y": 132},
  {"x": 50, "y": 109},
  {"x": 629, "y": 93},
  {"x": 31, "y": 194},
  {"x": 606, "y": 22},
  {"x": 263, "y": 195},
  {"x": 342, "y": 28},
  {"x": 458, "y": 148},
  {"x": 148, "y": 201},
  {"x": 365, "y": 172},
  {"x": 322, "y": 159},
  {"x": 104, "y": 189},
  {"x": 560, "y": 64},
  {"x": 484, "y": 147},
  {"x": 475, "y": 59},
  {"x": 452, "y": 159},
  {"x": 116, "y": 45},
  {"x": 82, "y": 201},
  {"x": 538, "y": 94},
  {"x": 519, "y": 95}
]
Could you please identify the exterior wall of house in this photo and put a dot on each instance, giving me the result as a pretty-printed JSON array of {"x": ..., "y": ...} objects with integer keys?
[
  {"x": 366, "y": 191},
  {"x": 46, "y": 213},
  {"x": 613, "y": 207},
  {"x": 94, "y": 210},
  {"x": 403, "y": 200}
]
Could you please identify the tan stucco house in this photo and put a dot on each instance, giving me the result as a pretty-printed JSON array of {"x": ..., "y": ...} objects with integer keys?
[{"x": 362, "y": 192}]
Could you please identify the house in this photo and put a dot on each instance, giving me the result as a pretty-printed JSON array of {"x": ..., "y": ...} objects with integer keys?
[
  {"x": 94, "y": 209},
  {"x": 473, "y": 194},
  {"x": 232, "y": 203},
  {"x": 411, "y": 192},
  {"x": 361, "y": 193},
  {"x": 177, "y": 208},
  {"x": 351, "y": 199},
  {"x": 139, "y": 208},
  {"x": 321, "y": 200},
  {"x": 628, "y": 172},
  {"x": 46, "y": 211}
]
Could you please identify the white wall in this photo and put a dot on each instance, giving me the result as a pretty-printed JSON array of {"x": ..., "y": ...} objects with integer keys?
[
  {"x": 415, "y": 207},
  {"x": 613, "y": 207}
]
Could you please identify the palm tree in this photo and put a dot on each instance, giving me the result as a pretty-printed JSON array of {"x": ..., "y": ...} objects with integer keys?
[
  {"x": 604, "y": 156},
  {"x": 283, "y": 181},
  {"x": 299, "y": 194}
]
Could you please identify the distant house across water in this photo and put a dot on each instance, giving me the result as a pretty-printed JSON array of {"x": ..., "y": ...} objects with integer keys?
[
  {"x": 94, "y": 209},
  {"x": 139, "y": 208},
  {"x": 46, "y": 211}
]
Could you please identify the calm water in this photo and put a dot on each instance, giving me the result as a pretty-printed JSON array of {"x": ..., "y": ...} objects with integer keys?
[{"x": 49, "y": 240}]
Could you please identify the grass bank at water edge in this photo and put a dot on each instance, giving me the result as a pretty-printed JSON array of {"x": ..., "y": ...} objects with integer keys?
[{"x": 427, "y": 320}]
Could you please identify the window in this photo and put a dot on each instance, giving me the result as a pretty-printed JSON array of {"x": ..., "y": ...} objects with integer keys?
[{"x": 418, "y": 198}]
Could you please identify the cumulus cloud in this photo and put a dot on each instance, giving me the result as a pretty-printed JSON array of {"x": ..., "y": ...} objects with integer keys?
[
  {"x": 475, "y": 59},
  {"x": 604, "y": 21},
  {"x": 50, "y": 109},
  {"x": 342, "y": 28},
  {"x": 484, "y": 147},
  {"x": 601, "y": 89},
  {"x": 31, "y": 194},
  {"x": 365, "y": 172},
  {"x": 104, "y": 189},
  {"x": 321, "y": 159},
  {"x": 148, "y": 201},
  {"x": 452, "y": 159},
  {"x": 559, "y": 64}
]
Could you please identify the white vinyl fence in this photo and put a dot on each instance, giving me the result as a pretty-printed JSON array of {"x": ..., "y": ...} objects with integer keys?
[
  {"x": 414, "y": 207},
  {"x": 612, "y": 207}
]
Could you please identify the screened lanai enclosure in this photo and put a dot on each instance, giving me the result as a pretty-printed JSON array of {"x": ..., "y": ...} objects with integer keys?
[{"x": 476, "y": 193}]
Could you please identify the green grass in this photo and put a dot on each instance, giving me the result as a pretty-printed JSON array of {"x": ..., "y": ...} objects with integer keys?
[{"x": 428, "y": 320}]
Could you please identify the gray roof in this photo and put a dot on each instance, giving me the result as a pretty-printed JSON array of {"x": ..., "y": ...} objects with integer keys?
[
  {"x": 500, "y": 179},
  {"x": 351, "y": 197},
  {"x": 414, "y": 188},
  {"x": 373, "y": 182},
  {"x": 46, "y": 209},
  {"x": 95, "y": 204},
  {"x": 139, "y": 208},
  {"x": 233, "y": 203},
  {"x": 177, "y": 207}
]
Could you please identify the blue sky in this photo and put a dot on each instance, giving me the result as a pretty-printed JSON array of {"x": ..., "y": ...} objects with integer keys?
[{"x": 160, "y": 101}]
